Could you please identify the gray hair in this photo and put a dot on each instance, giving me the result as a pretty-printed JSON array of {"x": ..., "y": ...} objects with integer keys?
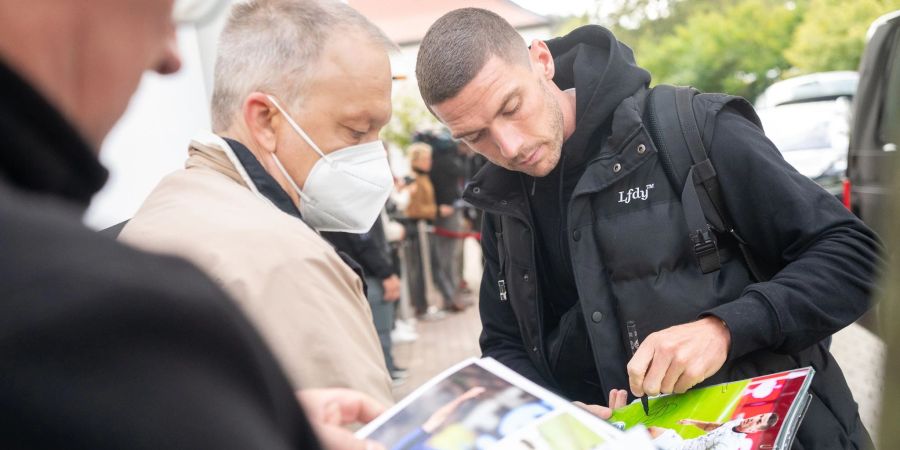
[
  {"x": 458, "y": 45},
  {"x": 272, "y": 46}
]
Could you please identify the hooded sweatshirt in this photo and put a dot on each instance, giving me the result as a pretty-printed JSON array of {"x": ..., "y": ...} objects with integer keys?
[{"x": 603, "y": 72}]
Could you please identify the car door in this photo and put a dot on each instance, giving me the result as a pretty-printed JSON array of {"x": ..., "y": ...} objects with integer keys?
[{"x": 875, "y": 132}]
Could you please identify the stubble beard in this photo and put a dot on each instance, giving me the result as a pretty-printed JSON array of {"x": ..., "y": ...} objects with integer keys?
[{"x": 555, "y": 143}]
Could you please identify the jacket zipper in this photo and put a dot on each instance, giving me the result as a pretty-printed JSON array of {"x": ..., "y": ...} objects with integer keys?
[{"x": 501, "y": 281}]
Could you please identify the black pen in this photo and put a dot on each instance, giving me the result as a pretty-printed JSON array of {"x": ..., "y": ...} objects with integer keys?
[{"x": 634, "y": 342}]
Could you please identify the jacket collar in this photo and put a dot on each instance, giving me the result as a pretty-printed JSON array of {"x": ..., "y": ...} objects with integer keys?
[
  {"x": 504, "y": 191},
  {"x": 42, "y": 152},
  {"x": 234, "y": 160}
]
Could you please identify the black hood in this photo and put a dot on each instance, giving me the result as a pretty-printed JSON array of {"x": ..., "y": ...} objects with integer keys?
[{"x": 603, "y": 72}]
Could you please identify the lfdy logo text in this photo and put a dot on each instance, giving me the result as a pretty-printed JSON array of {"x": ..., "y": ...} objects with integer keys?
[{"x": 636, "y": 193}]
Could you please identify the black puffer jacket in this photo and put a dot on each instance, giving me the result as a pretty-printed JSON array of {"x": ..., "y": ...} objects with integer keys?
[{"x": 631, "y": 260}]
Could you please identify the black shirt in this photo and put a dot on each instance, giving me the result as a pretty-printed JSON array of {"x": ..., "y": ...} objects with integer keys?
[{"x": 549, "y": 199}]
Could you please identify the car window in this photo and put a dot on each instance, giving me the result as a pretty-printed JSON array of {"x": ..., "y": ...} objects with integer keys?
[
  {"x": 807, "y": 126},
  {"x": 889, "y": 127},
  {"x": 800, "y": 136}
]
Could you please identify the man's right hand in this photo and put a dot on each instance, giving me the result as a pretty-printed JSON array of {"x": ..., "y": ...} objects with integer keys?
[
  {"x": 391, "y": 286},
  {"x": 445, "y": 210},
  {"x": 679, "y": 357}
]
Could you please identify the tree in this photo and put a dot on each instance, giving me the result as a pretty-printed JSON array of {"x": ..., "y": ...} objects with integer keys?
[
  {"x": 636, "y": 22},
  {"x": 737, "y": 50},
  {"x": 409, "y": 115},
  {"x": 833, "y": 32}
]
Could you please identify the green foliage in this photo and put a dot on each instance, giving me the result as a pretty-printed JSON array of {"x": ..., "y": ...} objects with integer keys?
[
  {"x": 833, "y": 32},
  {"x": 409, "y": 115},
  {"x": 651, "y": 20},
  {"x": 736, "y": 50},
  {"x": 740, "y": 46}
]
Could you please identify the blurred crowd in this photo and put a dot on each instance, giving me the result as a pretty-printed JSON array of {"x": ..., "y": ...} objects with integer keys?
[{"x": 413, "y": 254}]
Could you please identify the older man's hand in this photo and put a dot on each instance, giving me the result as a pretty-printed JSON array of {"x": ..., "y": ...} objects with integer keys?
[
  {"x": 677, "y": 358},
  {"x": 391, "y": 287},
  {"x": 329, "y": 410},
  {"x": 617, "y": 399}
]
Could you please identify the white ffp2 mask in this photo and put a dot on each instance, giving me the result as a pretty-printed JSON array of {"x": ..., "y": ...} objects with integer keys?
[{"x": 346, "y": 189}]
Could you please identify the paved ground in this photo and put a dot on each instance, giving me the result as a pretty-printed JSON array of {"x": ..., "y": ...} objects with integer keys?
[
  {"x": 454, "y": 338},
  {"x": 861, "y": 354},
  {"x": 440, "y": 345}
]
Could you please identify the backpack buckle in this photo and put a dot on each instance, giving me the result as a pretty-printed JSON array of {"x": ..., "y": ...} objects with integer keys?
[{"x": 706, "y": 250}]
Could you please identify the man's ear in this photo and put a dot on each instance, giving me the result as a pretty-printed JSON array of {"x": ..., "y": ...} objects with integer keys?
[
  {"x": 259, "y": 116},
  {"x": 541, "y": 59}
]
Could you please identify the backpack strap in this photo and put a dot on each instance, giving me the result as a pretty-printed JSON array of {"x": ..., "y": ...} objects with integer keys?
[{"x": 685, "y": 159}]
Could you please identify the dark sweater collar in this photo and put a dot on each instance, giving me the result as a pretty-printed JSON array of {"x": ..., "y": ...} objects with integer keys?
[
  {"x": 41, "y": 152},
  {"x": 265, "y": 184}
]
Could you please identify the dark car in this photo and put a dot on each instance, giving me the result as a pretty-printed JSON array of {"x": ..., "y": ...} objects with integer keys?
[{"x": 875, "y": 129}]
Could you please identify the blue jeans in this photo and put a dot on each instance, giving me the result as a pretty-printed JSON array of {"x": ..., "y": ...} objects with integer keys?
[{"x": 383, "y": 316}]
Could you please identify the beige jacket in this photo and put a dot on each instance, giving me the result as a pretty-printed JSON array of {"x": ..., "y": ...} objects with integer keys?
[
  {"x": 421, "y": 201},
  {"x": 308, "y": 305}
]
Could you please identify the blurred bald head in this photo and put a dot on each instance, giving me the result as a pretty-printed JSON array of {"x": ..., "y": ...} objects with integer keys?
[{"x": 87, "y": 56}]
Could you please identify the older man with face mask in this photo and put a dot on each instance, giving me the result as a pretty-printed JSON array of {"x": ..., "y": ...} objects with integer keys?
[
  {"x": 301, "y": 91},
  {"x": 103, "y": 346}
]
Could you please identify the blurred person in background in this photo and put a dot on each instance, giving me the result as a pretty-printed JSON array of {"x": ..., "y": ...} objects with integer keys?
[
  {"x": 422, "y": 204},
  {"x": 103, "y": 346},
  {"x": 301, "y": 91},
  {"x": 420, "y": 207},
  {"x": 447, "y": 172}
]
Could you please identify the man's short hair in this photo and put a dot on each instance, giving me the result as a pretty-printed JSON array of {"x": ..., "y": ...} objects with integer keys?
[
  {"x": 458, "y": 45},
  {"x": 272, "y": 46}
]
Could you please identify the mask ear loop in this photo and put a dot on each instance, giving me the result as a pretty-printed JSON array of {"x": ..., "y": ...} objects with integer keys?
[
  {"x": 297, "y": 128},
  {"x": 303, "y": 196}
]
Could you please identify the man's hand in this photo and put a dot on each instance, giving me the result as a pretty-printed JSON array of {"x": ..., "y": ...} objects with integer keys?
[
  {"x": 617, "y": 399},
  {"x": 391, "y": 286},
  {"x": 445, "y": 210},
  {"x": 677, "y": 358},
  {"x": 329, "y": 410}
]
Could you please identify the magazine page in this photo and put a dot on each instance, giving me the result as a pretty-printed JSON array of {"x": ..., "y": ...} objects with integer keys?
[
  {"x": 478, "y": 403},
  {"x": 560, "y": 430},
  {"x": 757, "y": 413}
]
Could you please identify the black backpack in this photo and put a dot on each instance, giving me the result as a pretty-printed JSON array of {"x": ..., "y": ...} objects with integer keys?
[{"x": 682, "y": 143}]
